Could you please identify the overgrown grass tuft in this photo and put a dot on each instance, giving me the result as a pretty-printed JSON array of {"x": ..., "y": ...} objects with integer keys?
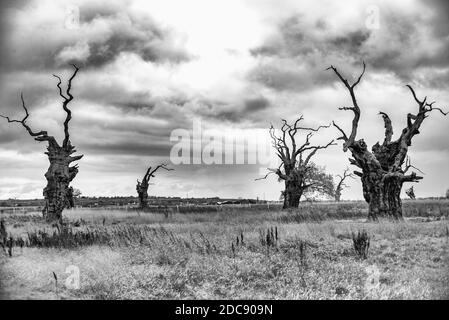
[{"x": 361, "y": 242}]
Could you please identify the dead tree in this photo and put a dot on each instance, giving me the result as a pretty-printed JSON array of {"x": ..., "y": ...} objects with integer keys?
[
  {"x": 296, "y": 169},
  {"x": 410, "y": 193},
  {"x": 57, "y": 193},
  {"x": 386, "y": 167},
  {"x": 142, "y": 187},
  {"x": 341, "y": 183}
]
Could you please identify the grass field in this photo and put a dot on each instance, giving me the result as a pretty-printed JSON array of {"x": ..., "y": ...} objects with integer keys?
[{"x": 231, "y": 254}]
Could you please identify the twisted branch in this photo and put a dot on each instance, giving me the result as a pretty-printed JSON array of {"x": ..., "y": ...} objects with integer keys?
[{"x": 355, "y": 108}]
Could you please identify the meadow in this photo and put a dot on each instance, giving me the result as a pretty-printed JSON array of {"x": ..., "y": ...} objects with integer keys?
[{"x": 233, "y": 253}]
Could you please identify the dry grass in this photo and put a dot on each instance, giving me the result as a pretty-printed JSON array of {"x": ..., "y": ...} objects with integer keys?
[{"x": 230, "y": 255}]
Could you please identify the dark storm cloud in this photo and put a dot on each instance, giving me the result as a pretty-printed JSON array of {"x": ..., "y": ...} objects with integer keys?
[
  {"x": 440, "y": 21},
  {"x": 297, "y": 40},
  {"x": 295, "y": 58},
  {"x": 256, "y": 104},
  {"x": 246, "y": 110},
  {"x": 104, "y": 31},
  {"x": 6, "y": 7},
  {"x": 127, "y": 100},
  {"x": 98, "y": 10},
  {"x": 142, "y": 38},
  {"x": 216, "y": 109},
  {"x": 135, "y": 104},
  {"x": 6, "y": 135},
  {"x": 37, "y": 89},
  {"x": 127, "y": 148},
  {"x": 349, "y": 43},
  {"x": 280, "y": 76}
]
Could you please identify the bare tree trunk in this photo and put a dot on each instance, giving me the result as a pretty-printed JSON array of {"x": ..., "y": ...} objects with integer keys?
[
  {"x": 292, "y": 194},
  {"x": 142, "y": 191},
  {"x": 57, "y": 193},
  {"x": 383, "y": 196},
  {"x": 142, "y": 187}
]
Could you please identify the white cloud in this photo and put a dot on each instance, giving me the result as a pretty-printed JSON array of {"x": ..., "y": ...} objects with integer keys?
[{"x": 80, "y": 51}]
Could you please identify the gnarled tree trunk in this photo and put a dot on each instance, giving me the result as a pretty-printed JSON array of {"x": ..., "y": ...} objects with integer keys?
[
  {"x": 292, "y": 194},
  {"x": 142, "y": 192},
  {"x": 382, "y": 195},
  {"x": 58, "y": 194},
  {"x": 142, "y": 187}
]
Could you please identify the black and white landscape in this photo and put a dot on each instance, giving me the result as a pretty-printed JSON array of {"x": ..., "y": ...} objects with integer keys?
[{"x": 235, "y": 149}]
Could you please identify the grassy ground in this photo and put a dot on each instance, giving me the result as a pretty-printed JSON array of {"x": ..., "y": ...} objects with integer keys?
[{"x": 198, "y": 256}]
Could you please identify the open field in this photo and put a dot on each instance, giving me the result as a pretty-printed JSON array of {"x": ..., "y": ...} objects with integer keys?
[{"x": 231, "y": 254}]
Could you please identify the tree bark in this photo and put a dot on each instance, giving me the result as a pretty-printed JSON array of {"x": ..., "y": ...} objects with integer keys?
[
  {"x": 382, "y": 195},
  {"x": 292, "y": 194},
  {"x": 142, "y": 187},
  {"x": 57, "y": 193},
  {"x": 142, "y": 191}
]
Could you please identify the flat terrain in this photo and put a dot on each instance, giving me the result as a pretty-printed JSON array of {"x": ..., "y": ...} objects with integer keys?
[{"x": 235, "y": 254}]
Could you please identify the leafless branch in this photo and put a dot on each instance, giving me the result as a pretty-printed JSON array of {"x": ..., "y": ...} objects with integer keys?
[
  {"x": 65, "y": 103},
  {"x": 38, "y": 136},
  {"x": 266, "y": 176},
  {"x": 355, "y": 108},
  {"x": 150, "y": 173},
  {"x": 344, "y": 137}
]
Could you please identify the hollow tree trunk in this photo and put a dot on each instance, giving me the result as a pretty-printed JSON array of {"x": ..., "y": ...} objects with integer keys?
[
  {"x": 59, "y": 175},
  {"x": 142, "y": 192},
  {"x": 383, "y": 196},
  {"x": 292, "y": 194}
]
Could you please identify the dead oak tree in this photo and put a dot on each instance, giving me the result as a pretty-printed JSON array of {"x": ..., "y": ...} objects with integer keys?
[
  {"x": 386, "y": 167},
  {"x": 142, "y": 186},
  {"x": 59, "y": 175},
  {"x": 298, "y": 172},
  {"x": 341, "y": 183}
]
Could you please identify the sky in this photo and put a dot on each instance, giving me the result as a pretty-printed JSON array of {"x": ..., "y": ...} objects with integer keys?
[{"x": 150, "y": 71}]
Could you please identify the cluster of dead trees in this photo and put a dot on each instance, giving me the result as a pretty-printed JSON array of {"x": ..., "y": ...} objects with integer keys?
[{"x": 382, "y": 171}]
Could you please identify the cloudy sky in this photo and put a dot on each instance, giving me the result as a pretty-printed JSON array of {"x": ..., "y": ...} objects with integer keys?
[{"x": 151, "y": 67}]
